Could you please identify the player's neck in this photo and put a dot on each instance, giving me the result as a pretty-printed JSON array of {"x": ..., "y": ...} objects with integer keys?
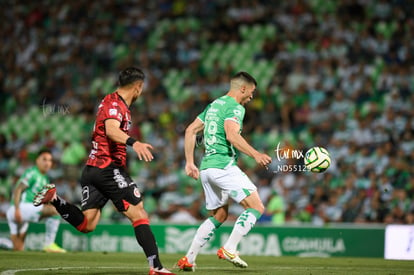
[
  {"x": 125, "y": 95},
  {"x": 43, "y": 172},
  {"x": 235, "y": 95}
]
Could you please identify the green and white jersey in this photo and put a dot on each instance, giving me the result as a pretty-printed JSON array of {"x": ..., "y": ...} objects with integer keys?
[
  {"x": 34, "y": 180},
  {"x": 219, "y": 153}
]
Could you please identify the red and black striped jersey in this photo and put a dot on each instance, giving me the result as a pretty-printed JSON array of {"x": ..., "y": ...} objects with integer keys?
[{"x": 104, "y": 150}]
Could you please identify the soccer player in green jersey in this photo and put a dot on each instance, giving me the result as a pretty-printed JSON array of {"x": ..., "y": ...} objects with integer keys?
[
  {"x": 22, "y": 211},
  {"x": 221, "y": 178}
]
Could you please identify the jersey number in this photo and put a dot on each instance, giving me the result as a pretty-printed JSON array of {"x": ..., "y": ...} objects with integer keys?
[
  {"x": 211, "y": 130},
  {"x": 211, "y": 139}
]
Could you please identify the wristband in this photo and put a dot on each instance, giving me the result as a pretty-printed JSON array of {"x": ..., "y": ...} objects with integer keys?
[{"x": 130, "y": 141}]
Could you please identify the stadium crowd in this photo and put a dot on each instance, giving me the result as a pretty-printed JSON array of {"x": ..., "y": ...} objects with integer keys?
[{"x": 343, "y": 79}]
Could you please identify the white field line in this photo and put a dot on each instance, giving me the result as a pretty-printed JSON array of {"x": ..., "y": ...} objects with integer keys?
[
  {"x": 14, "y": 271},
  {"x": 298, "y": 268}
]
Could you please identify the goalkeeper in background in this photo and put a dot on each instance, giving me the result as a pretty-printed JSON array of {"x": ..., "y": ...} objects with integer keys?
[
  {"x": 221, "y": 178},
  {"x": 22, "y": 211}
]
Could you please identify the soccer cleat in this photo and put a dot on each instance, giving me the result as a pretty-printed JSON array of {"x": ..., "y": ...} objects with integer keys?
[
  {"x": 162, "y": 271},
  {"x": 184, "y": 265},
  {"x": 45, "y": 195},
  {"x": 53, "y": 248},
  {"x": 233, "y": 258}
]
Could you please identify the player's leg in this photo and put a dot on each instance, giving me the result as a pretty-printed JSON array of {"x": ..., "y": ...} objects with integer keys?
[
  {"x": 244, "y": 192},
  {"x": 247, "y": 219},
  {"x": 127, "y": 199},
  {"x": 217, "y": 203},
  {"x": 18, "y": 241},
  {"x": 204, "y": 233},
  {"x": 84, "y": 221},
  {"x": 143, "y": 233},
  {"x": 17, "y": 230},
  {"x": 92, "y": 201},
  {"x": 145, "y": 238},
  {"x": 52, "y": 222}
]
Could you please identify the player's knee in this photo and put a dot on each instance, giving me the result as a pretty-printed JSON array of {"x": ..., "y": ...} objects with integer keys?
[
  {"x": 136, "y": 212},
  {"x": 221, "y": 216},
  {"x": 260, "y": 208},
  {"x": 87, "y": 229},
  {"x": 86, "y": 226}
]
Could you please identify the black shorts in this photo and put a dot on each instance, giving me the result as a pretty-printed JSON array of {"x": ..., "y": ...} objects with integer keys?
[{"x": 110, "y": 183}]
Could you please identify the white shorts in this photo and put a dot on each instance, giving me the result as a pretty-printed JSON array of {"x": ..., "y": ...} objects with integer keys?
[
  {"x": 29, "y": 212},
  {"x": 221, "y": 184}
]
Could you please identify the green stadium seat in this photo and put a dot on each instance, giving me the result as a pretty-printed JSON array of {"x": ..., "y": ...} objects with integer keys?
[
  {"x": 244, "y": 31},
  {"x": 194, "y": 23},
  {"x": 6, "y": 129},
  {"x": 270, "y": 30}
]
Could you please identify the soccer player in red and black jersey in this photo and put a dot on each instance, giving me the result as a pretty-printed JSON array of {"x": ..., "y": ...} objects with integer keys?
[{"x": 104, "y": 177}]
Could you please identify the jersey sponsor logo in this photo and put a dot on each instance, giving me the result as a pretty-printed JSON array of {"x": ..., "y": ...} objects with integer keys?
[
  {"x": 237, "y": 112},
  {"x": 219, "y": 101},
  {"x": 85, "y": 195},
  {"x": 213, "y": 110},
  {"x": 94, "y": 150},
  {"x": 113, "y": 112},
  {"x": 128, "y": 122},
  {"x": 119, "y": 179},
  {"x": 210, "y": 152},
  {"x": 137, "y": 193}
]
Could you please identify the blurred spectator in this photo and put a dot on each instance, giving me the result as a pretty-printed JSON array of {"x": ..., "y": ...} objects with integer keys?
[
  {"x": 4, "y": 204},
  {"x": 276, "y": 209}
]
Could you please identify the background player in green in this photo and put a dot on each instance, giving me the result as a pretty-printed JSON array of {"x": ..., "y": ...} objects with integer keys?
[
  {"x": 22, "y": 211},
  {"x": 222, "y": 122}
]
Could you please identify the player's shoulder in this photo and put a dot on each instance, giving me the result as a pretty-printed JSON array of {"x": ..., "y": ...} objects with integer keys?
[
  {"x": 231, "y": 103},
  {"x": 113, "y": 101},
  {"x": 110, "y": 98},
  {"x": 31, "y": 172}
]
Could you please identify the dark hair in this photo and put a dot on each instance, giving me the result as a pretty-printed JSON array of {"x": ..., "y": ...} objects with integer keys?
[
  {"x": 246, "y": 77},
  {"x": 43, "y": 151},
  {"x": 130, "y": 75}
]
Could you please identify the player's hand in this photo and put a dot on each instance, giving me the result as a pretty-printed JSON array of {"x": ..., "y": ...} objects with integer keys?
[
  {"x": 143, "y": 151},
  {"x": 18, "y": 215},
  {"x": 192, "y": 171},
  {"x": 263, "y": 159}
]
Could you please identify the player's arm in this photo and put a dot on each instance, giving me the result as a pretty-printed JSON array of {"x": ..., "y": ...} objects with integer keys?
[
  {"x": 17, "y": 194},
  {"x": 189, "y": 143},
  {"x": 113, "y": 131},
  {"x": 232, "y": 130}
]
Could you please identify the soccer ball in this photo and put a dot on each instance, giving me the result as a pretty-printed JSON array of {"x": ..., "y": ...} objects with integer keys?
[{"x": 317, "y": 159}]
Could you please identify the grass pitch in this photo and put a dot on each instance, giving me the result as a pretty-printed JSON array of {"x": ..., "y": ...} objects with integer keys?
[{"x": 130, "y": 263}]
